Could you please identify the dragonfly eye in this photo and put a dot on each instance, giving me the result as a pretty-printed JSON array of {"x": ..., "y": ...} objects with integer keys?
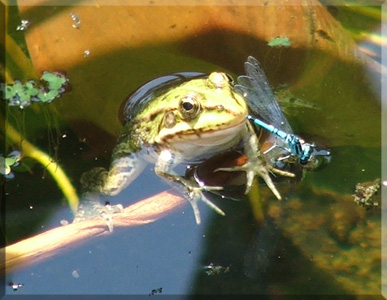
[
  {"x": 303, "y": 160},
  {"x": 307, "y": 150}
]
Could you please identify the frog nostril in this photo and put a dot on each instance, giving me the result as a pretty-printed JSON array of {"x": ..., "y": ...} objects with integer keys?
[{"x": 220, "y": 107}]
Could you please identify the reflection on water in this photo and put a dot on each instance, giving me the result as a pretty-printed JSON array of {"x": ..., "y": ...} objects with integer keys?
[{"x": 317, "y": 240}]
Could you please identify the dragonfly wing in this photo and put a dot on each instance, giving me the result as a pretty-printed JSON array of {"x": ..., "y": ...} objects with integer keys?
[{"x": 259, "y": 96}]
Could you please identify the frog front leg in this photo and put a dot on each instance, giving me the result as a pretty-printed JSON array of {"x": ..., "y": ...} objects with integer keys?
[
  {"x": 256, "y": 163},
  {"x": 192, "y": 191},
  {"x": 124, "y": 168}
]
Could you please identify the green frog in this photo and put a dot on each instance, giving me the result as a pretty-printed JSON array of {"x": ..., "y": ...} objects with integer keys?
[{"x": 183, "y": 118}]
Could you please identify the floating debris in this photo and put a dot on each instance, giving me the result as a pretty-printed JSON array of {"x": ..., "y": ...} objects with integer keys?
[
  {"x": 24, "y": 25},
  {"x": 279, "y": 42},
  {"x": 50, "y": 87},
  {"x": 15, "y": 286},
  {"x": 64, "y": 222},
  {"x": 212, "y": 269},
  {"x": 76, "y": 20},
  {"x": 75, "y": 274},
  {"x": 7, "y": 163},
  {"x": 86, "y": 53},
  {"x": 289, "y": 102},
  {"x": 365, "y": 191},
  {"x": 156, "y": 291}
]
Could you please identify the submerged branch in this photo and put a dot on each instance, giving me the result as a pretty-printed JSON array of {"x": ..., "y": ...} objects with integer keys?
[{"x": 53, "y": 242}]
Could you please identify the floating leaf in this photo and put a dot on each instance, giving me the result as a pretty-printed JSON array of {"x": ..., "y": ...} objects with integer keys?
[
  {"x": 9, "y": 161},
  {"x": 279, "y": 42},
  {"x": 55, "y": 80},
  {"x": 16, "y": 155},
  {"x": 6, "y": 163},
  {"x": 48, "y": 96},
  {"x": 21, "y": 95},
  {"x": 53, "y": 94},
  {"x": 9, "y": 92},
  {"x": 30, "y": 88},
  {"x": 5, "y": 169},
  {"x": 47, "y": 76},
  {"x": 24, "y": 96},
  {"x": 18, "y": 87}
]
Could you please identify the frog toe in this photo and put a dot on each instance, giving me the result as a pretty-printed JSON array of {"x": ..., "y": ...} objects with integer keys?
[
  {"x": 91, "y": 208},
  {"x": 253, "y": 169},
  {"x": 270, "y": 184},
  {"x": 196, "y": 195}
]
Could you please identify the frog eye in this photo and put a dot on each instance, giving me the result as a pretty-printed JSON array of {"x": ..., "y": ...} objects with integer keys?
[{"x": 189, "y": 107}]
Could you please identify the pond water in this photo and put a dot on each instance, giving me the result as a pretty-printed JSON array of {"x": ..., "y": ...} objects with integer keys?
[{"x": 316, "y": 241}]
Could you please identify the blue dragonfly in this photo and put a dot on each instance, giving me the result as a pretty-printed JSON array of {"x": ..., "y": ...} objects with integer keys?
[
  {"x": 297, "y": 147},
  {"x": 259, "y": 96}
]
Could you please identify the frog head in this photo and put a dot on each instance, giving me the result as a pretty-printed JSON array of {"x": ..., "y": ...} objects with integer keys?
[{"x": 200, "y": 111}]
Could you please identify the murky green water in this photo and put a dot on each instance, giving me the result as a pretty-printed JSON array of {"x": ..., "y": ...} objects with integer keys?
[{"x": 316, "y": 241}]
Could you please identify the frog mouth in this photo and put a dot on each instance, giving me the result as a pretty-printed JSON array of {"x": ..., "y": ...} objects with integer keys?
[{"x": 219, "y": 135}]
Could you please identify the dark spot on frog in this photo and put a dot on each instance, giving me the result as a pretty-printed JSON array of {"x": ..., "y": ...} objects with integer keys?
[
  {"x": 146, "y": 129},
  {"x": 169, "y": 119}
]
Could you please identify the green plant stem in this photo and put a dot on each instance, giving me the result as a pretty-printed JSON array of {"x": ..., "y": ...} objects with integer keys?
[{"x": 48, "y": 162}]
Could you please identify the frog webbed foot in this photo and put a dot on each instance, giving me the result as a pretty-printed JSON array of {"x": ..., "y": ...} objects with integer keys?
[
  {"x": 195, "y": 195},
  {"x": 91, "y": 207},
  {"x": 258, "y": 167}
]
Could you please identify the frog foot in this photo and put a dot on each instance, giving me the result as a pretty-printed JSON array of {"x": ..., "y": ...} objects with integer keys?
[
  {"x": 91, "y": 207},
  {"x": 195, "y": 195},
  {"x": 253, "y": 168}
]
